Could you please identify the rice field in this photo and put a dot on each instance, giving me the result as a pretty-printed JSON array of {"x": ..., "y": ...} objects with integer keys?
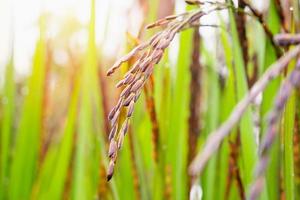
[{"x": 198, "y": 100}]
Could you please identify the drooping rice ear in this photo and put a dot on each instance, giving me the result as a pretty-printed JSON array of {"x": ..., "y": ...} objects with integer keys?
[{"x": 151, "y": 53}]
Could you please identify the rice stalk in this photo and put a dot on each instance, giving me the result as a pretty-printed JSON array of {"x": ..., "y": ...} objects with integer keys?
[
  {"x": 292, "y": 82},
  {"x": 240, "y": 19},
  {"x": 105, "y": 100},
  {"x": 280, "y": 12},
  {"x": 296, "y": 141},
  {"x": 103, "y": 185},
  {"x": 45, "y": 103},
  {"x": 234, "y": 171},
  {"x": 195, "y": 99},
  {"x": 287, "y": 39},
  {"x": 136, "y": 182},
  {"x": 149, "y": 92}
]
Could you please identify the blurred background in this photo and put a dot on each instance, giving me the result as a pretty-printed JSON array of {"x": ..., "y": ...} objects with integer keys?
[{"x": 55, "y": 98}]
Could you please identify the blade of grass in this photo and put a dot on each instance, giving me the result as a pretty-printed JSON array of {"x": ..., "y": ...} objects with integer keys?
[
  {"x": 141, "y": 128},
  {"x": 287, "y": 136},
  {"x": 248, "y": 145},
  {"x": 177, "y": 135},
  {"x": 158, "y": 177},
  {"x": 269, "y": 56},
  {"x": 24, "y": 163},
  {"x": 7, "y": 126},
  {"x": 163, "y": 102},
  {"x": 87, "y": 153},
  {"x": 59, "y": 167},
  {"x": 211, "y": 122},
  {"x": 42, "y": 183},
  {"x": 288, "y": 127},
  {"x": 124, "y": 172},
  {"x": 228, "y": 99}
]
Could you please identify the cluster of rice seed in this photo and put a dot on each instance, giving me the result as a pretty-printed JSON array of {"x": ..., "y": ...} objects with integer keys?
[
  {"x": 293, "y": 81},
  {"x": 149, "y": 53}
]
